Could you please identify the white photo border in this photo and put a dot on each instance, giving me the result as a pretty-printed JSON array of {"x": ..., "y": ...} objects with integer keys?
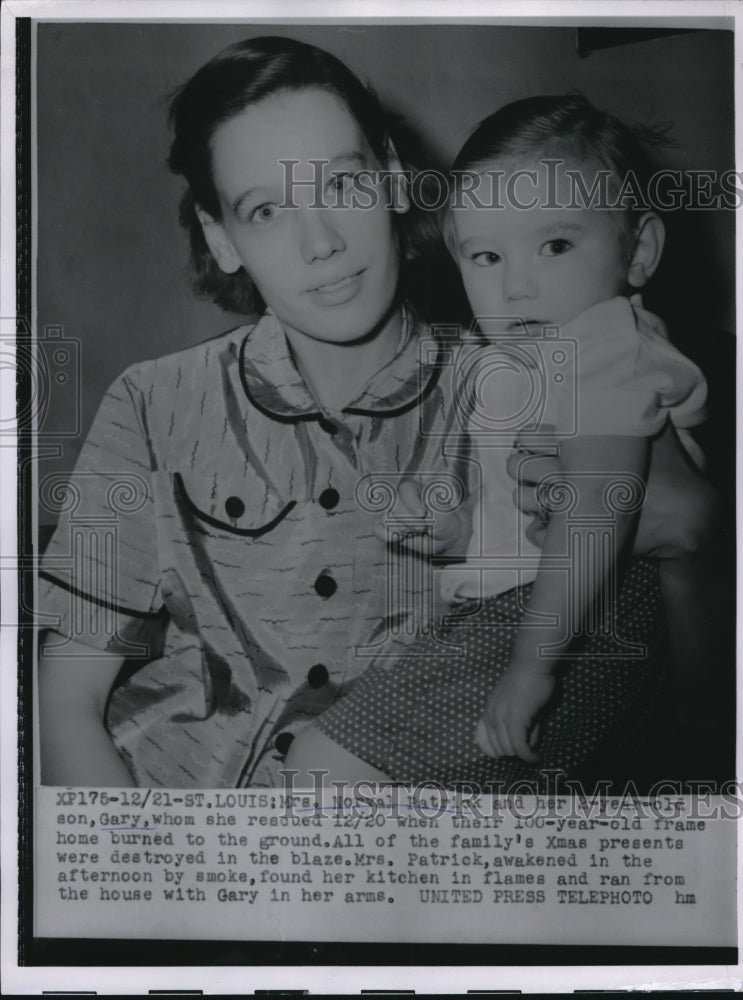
[{"x": 218, "y": 979}]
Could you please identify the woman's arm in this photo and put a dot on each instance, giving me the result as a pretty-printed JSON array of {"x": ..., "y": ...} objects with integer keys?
[
  {"x": 589, "y": 464},
  {"x": 75, "y": 747}
]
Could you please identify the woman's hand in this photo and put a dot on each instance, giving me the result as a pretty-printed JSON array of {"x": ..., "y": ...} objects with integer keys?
[
  {"x": 414, "y": 527},
  {"x": 509, "y": 727},
  {"x": 678, "y": 514},
  {"x": 529, "y": 468}
]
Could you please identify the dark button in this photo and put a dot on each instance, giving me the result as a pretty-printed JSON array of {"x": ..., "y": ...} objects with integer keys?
[
  {"x": 283, "y": 742},
  {"x": 327, "y": 425},
  {"x": 329, "y": 498},
  {"x": 317, "y": 675},
  {"x": 325, "y": 585},
  {"x": 234, "y": 507}
]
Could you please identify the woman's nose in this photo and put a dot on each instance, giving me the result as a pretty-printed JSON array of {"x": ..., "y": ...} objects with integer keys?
[{"x": 319, "y": 237}]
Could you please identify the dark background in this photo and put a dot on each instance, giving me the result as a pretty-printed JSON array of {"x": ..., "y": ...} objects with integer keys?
[{"x": 112, "y": 260}]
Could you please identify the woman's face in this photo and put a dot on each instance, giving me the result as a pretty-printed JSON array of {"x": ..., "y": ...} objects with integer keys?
[{"x": 328, "y": 273}]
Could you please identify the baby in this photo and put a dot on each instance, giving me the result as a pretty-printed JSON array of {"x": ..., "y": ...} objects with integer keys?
[{"x": 548, "y": 226}]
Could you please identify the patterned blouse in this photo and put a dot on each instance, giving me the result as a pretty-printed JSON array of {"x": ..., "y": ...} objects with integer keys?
[{"x": 219, "y": 530}]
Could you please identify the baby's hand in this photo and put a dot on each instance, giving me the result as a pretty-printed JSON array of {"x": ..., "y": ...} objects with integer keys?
[
  {"x": 416, "y": 531},
  {"x": 509, "y": 727}
]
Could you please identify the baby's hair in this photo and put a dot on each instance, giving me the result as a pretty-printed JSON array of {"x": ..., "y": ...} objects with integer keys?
[
  {"x": 240, "y": 76},
  {"x": 566, "y": 127}
]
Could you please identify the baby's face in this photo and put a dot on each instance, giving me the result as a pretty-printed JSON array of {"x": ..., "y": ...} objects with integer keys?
[{"x": 537, "y": 265}]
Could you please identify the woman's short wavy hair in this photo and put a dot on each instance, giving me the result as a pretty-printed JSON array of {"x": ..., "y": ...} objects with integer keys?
[{"x": 242, "y": 75}]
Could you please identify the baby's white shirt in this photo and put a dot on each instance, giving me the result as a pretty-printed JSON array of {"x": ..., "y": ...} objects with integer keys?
[{"x": 611, "y": 371}]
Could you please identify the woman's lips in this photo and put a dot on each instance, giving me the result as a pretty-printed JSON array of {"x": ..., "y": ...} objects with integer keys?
[{"x": 340, "y": 290}]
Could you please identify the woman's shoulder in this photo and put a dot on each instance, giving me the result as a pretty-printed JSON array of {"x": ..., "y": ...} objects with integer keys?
[{"x": 190, "y": 365}]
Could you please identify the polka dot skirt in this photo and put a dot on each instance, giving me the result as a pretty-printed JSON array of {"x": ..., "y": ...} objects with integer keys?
[{"x": 415, "y": 718}]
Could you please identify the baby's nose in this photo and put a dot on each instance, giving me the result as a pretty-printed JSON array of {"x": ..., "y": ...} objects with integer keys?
[{"x": 518, "y": 283}]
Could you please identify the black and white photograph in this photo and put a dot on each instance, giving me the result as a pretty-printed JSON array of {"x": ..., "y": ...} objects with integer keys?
[{"x": 372, "y": 548}]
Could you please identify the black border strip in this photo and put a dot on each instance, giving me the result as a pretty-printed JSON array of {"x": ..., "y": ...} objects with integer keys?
[
  {"x": 24, "y": 389},
  {"x": 92, "y": 951}
]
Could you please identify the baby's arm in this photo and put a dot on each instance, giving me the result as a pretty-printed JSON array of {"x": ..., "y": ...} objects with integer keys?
[
  {"x": 75, "y": 747},
  {"x": 512, "y": 710}
]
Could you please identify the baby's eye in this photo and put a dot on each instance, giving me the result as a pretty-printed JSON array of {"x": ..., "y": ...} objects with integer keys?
[
  {"x": 485, "y": 258},
  {"x": 554, "y": 248},
  {"x": 264, "y": 213}
]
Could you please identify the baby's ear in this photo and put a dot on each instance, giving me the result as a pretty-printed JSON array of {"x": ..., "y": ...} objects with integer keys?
[
  {"x": 218, "y": 242},
  {"x": 399, "y": 179},
  {"x": 647, "y": 248}
]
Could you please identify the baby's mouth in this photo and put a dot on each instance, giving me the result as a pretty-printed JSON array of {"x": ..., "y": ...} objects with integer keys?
[{"x": 528, "y": 325}]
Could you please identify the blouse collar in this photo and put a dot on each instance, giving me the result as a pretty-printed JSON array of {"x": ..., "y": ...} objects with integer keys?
[{"x": 273, "y": 384}]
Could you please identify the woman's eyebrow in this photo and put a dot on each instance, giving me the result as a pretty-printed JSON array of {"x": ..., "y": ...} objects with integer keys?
[{"x": 352, "y": 156}]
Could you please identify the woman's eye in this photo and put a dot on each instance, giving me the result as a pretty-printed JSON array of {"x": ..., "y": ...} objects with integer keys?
[
  {"x": 554, "y": 248},
  {"x": 485, "y": 258},
  {"x": 263, "y": 213},
  {"x": 340, "y": 181}
]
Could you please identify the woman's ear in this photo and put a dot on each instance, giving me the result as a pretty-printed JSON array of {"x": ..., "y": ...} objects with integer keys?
[
  {"x": 218, "y": 242},
  {"x": 647, "y": 247},
  {"x": 399, "y": 180}
]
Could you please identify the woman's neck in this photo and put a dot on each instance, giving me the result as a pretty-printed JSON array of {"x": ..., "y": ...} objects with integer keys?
[{"x": 336, "y": 373}]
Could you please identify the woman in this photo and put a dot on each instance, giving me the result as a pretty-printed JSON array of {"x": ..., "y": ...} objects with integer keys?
[
  {"x": 244, "y": 562},
  {"x": 222, "y": 531}
]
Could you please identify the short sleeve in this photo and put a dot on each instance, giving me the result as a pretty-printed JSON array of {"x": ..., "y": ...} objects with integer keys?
[
  {"x": 627, "y": 379},
  {"x": 100, "y": 575}
]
